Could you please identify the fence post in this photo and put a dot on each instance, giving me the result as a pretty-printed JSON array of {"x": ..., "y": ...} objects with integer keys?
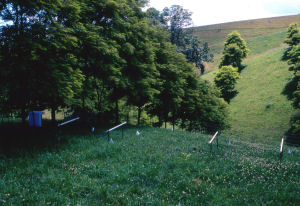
[
  {"x": 212, "y": 139},
  {"x": 281, "y": 148}
]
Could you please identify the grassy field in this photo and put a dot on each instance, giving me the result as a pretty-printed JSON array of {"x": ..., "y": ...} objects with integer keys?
[
  {"x": 159, "y": 167},
  {"x": 259, "y": 111},
  {"x": 260, "y": 34}
]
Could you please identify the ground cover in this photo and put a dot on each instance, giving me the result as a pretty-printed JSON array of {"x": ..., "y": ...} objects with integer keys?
[{"x": 158, "y": 167}]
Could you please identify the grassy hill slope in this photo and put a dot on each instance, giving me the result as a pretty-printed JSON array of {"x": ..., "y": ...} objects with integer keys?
[
  {"x": 259, "y": 111},
  {"x": 159, "y": 167},
  {"x": 253, "y": 31}
]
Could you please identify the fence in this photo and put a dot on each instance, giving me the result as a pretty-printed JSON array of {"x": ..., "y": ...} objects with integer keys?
[
  {"x": 116, "y": 127},
  {"x": 212, "y": 140},
  {"x": 67, "y": 122},
  {"x": 281, "y": 148}
]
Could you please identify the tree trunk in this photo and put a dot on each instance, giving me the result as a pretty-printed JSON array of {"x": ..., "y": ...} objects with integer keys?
[
  {"x": 165, "y": 124},
  {"x": 83, "y": 102},
  {"x": 53, "y": 115},
  {"x": 173, "y": 123},
  {"x": 23, "y": 115},
  {"x": 139, "y": 115},
  {"x": 117, "y": 112},
  {"x": 159, "y": 121},
  {"x": 127, "y": 117},
  {"x": 191, "y": 126}
]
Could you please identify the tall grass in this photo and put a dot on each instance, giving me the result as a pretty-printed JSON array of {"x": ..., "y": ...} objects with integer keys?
[{"x": 159, "y": 167}]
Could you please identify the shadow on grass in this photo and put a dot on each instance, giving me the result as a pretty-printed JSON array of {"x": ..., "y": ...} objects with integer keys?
[{"x": 17, "y": 140}]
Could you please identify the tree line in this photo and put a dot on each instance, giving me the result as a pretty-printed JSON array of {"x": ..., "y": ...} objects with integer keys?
[{"x": 91, "y": 56}]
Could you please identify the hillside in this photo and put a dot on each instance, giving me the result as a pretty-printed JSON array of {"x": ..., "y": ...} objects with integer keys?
[
  {"x": 159, "y": 167},
  {"x": 259, "y": 111},
  {"x": 268, "y": 31}
]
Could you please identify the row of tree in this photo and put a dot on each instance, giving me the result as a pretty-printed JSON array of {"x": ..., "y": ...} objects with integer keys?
[
  {"x": 230, "y": 67},
  {"x": 292, "y": 89},
  {"x": 91, "y": 55}
]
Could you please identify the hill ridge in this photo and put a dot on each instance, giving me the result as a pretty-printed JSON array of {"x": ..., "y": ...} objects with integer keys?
[{"x": 282, "y": 19}]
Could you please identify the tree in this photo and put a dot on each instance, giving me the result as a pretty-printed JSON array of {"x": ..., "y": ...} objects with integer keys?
[
  {"x": 202, "y": 103},
  {"x": 197, "y": 54},
  {"x": 235, "y": 49},
  {"x": 171, "y": 81},
  {"x": 293, "y": 59},
  {"x": 177, "y": 19},
  {"x": 292, "y": 88},
  {"x": 91, "y": 55},
  {"x": 17, "y": 56},
  {"x": 156, "y": 18},
  {"x": 293, "y": 35},
  {"x": 225, "y": 80},
  {"x": 38, "y": 47},
  {"x": 183, "y": 97}
]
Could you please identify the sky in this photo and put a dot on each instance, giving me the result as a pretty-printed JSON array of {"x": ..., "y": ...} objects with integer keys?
[{"x": 206, "y": 12}]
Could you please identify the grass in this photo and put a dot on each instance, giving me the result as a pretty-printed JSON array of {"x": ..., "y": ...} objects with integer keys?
[
  {"x": 259, "y": 111},
  {"x": 158, "y": 167},
  {"x": 260, "y": 34},
  {"x": 161, "y": 167}
]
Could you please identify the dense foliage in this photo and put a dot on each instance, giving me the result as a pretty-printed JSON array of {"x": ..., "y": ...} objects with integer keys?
[
  {"x": 225, "y": 80},
  {"x": 176, "y": 19},
  {"x": 292, "y": 89},
  {"x": 235, "y": 49},
  {"x": 93, "y": 56}
]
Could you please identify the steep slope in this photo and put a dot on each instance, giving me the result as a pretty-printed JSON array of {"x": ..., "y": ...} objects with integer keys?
[
  {"x": 259, "y": 111},
  {"x": 253, "y": 31}
]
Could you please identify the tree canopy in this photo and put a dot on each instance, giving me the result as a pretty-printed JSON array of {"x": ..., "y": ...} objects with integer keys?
[
  {"x": 177, "y": 20},
  {"x": 93, "y": 56},
  {"x": 235, "y": 49},
  {"x": 225, "y": 80},
  {"x": 292, "y": 89}
]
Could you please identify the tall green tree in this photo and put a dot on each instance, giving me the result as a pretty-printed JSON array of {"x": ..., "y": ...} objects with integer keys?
[
  {"x": 61, "y": 78},
  {"x": 170, "y": 82},
  {"x": 38, "y": 45},
  {"x": 293, "y": 35},
  {"x": 17, "y": 57},
  {"x": 197, "y": 54},
  {"x": 225, "y": 80},
  {"x": 202, "y": 103},
  {"x": 292, "y": 89},
  {"x": 177, "y": 19},
  {"x": 235, "y": 50},
  {"x": 140, "y": 70}
]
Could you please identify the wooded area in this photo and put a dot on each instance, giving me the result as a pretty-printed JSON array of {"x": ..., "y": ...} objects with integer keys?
[{"x": 90, "y": 56}]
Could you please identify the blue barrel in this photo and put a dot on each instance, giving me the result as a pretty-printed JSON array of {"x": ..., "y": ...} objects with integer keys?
[{"x": 35, "y": 118}]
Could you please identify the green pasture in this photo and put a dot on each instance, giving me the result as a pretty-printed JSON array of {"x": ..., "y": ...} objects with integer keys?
[
  {"x": 158, "y": 167},
  {"x": 259, "y": 112}
]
